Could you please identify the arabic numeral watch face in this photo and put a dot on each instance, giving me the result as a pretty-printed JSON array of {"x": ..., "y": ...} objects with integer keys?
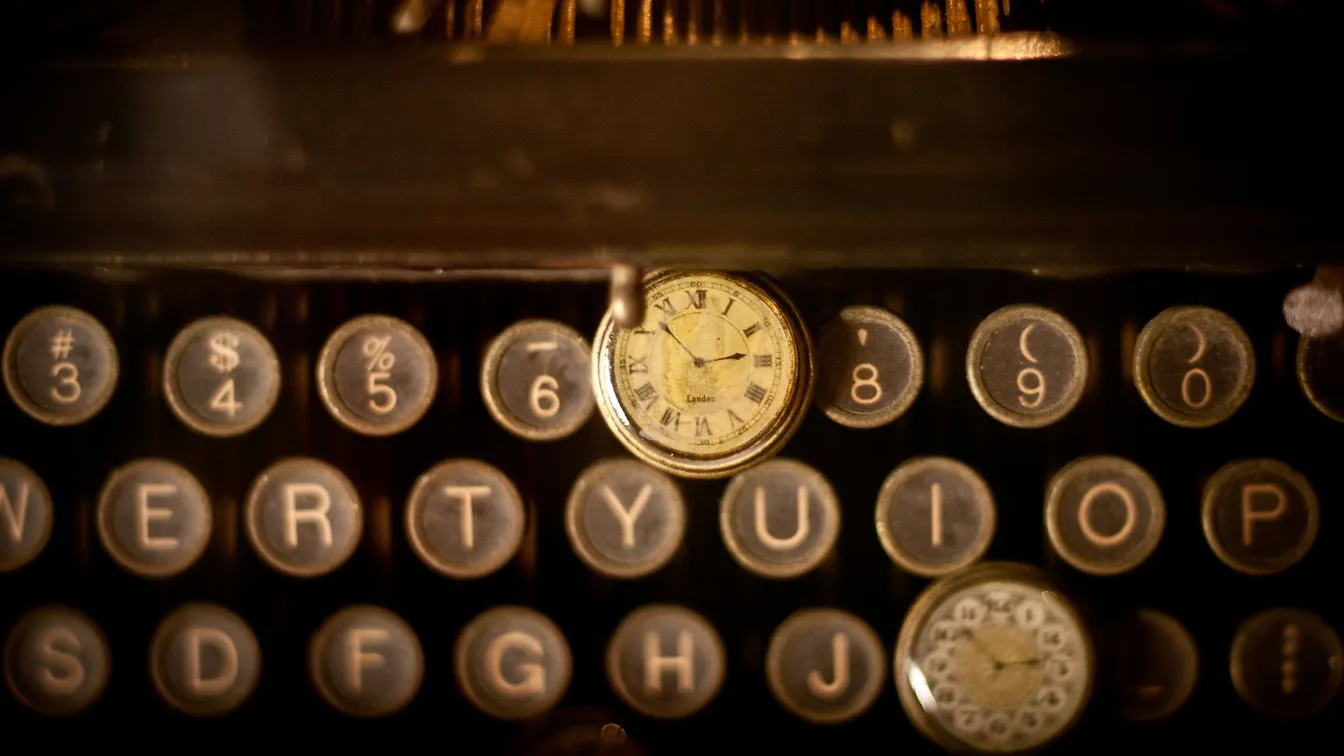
[
  {"x": 715, "y": 379},
  {"x": 993, "y": 660}
]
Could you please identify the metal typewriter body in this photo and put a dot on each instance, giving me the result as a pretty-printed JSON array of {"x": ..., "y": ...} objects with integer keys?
[{"x": 463, "y": 189}]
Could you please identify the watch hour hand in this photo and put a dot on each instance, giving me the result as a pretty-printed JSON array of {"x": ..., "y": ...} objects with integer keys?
[{"x": 736, "y": 356}]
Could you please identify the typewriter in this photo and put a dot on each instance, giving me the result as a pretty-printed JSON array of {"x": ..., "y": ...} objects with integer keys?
[{"x": 668, "y": 376}]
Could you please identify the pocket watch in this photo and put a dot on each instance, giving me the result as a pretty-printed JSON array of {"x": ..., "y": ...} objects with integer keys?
[
  {"x": 992, "y": 659},
  {"x": 716, "y": 378}
]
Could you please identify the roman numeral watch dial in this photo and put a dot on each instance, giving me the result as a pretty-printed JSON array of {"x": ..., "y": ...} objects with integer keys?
[{"x": 714, "y": 380}]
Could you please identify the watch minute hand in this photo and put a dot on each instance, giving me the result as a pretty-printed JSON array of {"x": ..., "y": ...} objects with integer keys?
[{"x": 698, "y": 362}]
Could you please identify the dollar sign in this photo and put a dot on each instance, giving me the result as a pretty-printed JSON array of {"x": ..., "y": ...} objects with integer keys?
[{"x": 224, "y": 351}]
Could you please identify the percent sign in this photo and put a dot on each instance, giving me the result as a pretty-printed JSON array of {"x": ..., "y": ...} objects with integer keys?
[{"x": 380, "y": 362}]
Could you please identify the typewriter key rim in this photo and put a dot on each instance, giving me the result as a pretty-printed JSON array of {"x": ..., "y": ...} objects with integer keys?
[
  {"x": 44, "y": 537},
  {"x": 468, "y": 635},
  {"x": 163, "y": 634},
  {"x": 1172, "y": 630},
  {"x": 1152, "y": 494},
  {"x": 326, "y": 375},
  {"x": 942, "y": 589},
  {"x": 1242, "y": 637},
  {"x": 178, "y": 404},
  {"x": 1209, "y": 506},
  {"x": 418, "y": 499},
  {"x": 984, "y": 499},
  {"x": 775, "y": 432},
  {"x": 1006, "y": 316},
  {"x": 914, "y": 381},
  {"x": 1306, "y": 349},
  {"x": 1147, "y": 342},
  {"x": 75, "y": 616},
  {"x": 578, "y": 539},
  {"x": 802, "y": 618},
  {"x": 717, "y": 658},
  {"x": 261, "y": 546},
  {"x": 318, "y": 642},
  {"x": 490, "y": 375},
  {"x": 804, "y": 475},
  {"x": 9, "y": 367},
  {"x": 104, "y": 511}
]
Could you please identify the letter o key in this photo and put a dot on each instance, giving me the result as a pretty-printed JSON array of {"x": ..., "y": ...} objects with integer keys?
[{"x": 1104, "y": 515}]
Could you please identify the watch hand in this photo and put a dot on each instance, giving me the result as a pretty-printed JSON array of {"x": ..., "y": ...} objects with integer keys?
[
  {"x": 1021, "y": 661},
  {"x": 998, "y": 665},
  {"x": 736, "y": 356},
  {"x": 698, "y": 362}
]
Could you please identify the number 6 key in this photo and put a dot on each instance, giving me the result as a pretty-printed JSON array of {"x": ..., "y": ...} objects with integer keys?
[{"x": 536, "y": 380}]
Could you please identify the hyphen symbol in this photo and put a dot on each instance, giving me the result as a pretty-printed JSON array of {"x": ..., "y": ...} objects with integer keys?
[
  {"x": 1291, "y": 634},
  {"x": 379, "y": 368},
  {"x": 61, "y": 344}
]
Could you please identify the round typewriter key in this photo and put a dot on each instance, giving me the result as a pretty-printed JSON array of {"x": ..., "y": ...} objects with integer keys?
[
  {"x": 377, "y": 375},
  {"x": 934, "y": 516},
  {"x": 60, "y": 365},
  {"x": 825, "y": 665},
  {"x": 1027, "y": 366},
  {"x": 512, "y": 663},
  {"x": 1157, "y": 665},
  {"x": 1194, "y": 366},
  {"x": 303, "y": 517},
  {"x": 779, "y": 519},
  {"x": 366, "y": 661},
  {"x": 57, "y": 661},
  {"x": 871, "y": 368},
  {"x": 537, "y": 381},
  {"x": 25, "y": 515},
  {"x": 221, "y": 376},
  {"x": 624, "y": 518},
  {"x": 665, "y": 661},
  {"x": 1260, "y": 516},
  {"x": 1104, "y": 515},
  {"x": 465, "y": 518},
  {"x": 154, "y": 518},
  {"x": 1320, "y": 370},
  {"x": 204, "y": 660},
  {"x": 1286, "y": 663}
]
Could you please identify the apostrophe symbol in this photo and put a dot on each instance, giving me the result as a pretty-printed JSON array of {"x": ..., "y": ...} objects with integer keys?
[{"x": 863, "y": 337}]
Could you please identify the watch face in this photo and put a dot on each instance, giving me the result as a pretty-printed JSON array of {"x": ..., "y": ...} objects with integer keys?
[
  {"x": 994, "y": 663},
  {"x": 714, "y": 379}
]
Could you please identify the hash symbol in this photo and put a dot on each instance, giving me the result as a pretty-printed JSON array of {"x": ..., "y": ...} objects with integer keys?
[{"x": 61, "y": 344}]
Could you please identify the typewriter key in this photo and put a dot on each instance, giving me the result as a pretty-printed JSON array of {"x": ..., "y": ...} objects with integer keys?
[
  {"x": 1260, "y": 516},
  {"x": 204, "y": 660},
  {"x": 512, "y": 663},
  {"x": 1027, "y": 366},
  {"x": 935, "y": 516},
  {"x": 1194, "y": 366},
  {"x": 779, "y": 519},
  {"x": 377, "y": 375},
  {"x": 154, "y": 518},
  {"x": 537, "y": 380},
  {"x": 366, "y": 661},
  {"x": 1287, "y": 663},
  {"x": 1320, "y": 370},
  {"x": 665, "y": 661},
  {"x": 25, "y": 515},
  {"x": 870, "y": 368},
  {"x": 303, "y": 517},
  {"x": 221, "y": 376},
  {"x": 1104, "y": 515},
  {"x": 993, "y": 659},
  {"x": 57, "y": 661},
  {"x": 465, "y": 519},
  {"x": 624, "y": 518},
  {"x": 60, "y": 365},
  {"x": 1157, "y": 665},
  {"x": 825, "y": 665},
  {"x": 716, "y": 379}
]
